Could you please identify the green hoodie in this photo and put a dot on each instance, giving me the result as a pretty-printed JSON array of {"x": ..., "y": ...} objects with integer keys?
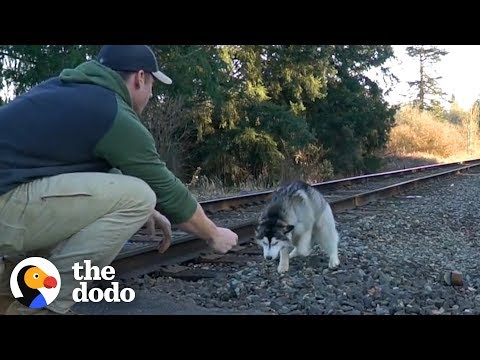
[{"x": 129, "y": 146}]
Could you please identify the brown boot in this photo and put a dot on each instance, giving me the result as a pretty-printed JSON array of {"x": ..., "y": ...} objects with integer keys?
[
  {"x": 5, "y": 302},
  {"x": 17, "y": 308}
]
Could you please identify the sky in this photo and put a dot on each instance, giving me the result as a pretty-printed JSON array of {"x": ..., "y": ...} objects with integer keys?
[{"x": 460, "y": 71}]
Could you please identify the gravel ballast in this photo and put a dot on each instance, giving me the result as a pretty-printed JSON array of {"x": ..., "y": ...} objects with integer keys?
[{"x": 396, "y": 258}]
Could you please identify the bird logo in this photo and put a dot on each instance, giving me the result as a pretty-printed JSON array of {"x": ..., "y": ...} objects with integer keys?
[{"x": 35, "y": 282}]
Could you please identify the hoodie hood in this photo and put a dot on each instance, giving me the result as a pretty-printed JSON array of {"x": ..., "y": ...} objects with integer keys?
[{"x": 92, "y": 72}]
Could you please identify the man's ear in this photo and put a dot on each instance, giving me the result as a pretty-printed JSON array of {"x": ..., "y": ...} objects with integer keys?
[{"x": 140, "y": 78}]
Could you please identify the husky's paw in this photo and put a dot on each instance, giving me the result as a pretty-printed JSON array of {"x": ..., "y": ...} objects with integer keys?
[
  {"x": 282, "y": 268},
  {"x": 293, "y": 253},
  {"x": 334, "y": 262}
]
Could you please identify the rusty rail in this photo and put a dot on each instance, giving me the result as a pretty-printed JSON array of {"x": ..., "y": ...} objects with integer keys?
[
  {"x": 232, "y": 202},
  {"x": 147, "y": 259}
]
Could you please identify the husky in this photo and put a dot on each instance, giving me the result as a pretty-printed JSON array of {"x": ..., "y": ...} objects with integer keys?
[{"x": 297, "y": 218}]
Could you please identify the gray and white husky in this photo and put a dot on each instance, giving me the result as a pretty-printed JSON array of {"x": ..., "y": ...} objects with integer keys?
[{"x": 297, "y": 218}]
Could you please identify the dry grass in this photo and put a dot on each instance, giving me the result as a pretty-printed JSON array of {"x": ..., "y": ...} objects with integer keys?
[
  {"x": 418, "y": 138},
  {"x": 421, "y": 135},
  {"x": 308, "y": 165},
  {"x": 205, "y": 188}
]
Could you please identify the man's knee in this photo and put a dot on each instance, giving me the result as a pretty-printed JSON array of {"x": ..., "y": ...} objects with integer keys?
[
  {"x": 149, "y": 197},
  {"x": 142, "y": 194}
]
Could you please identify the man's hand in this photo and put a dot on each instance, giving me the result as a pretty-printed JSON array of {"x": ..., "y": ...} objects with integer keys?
[
  {"x": 219, "y": 239},
  {"x": 160, "y": 221},
  {"x": 223, "y": 240}
]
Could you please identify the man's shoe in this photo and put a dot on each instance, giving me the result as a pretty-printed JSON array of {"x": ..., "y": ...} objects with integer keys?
[
  {"x": 17, "y": 308},
  {"x": 5, "y": 302}
]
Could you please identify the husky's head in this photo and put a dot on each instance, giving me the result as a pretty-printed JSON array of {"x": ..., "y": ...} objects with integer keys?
[{"x": 273, "y": 235}]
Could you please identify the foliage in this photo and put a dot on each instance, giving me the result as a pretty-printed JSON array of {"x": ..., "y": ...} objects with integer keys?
[{"x": 248, "y": 111}]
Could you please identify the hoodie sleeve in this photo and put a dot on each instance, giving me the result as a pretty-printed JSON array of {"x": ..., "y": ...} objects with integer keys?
[{"x": 130, "y": 147}]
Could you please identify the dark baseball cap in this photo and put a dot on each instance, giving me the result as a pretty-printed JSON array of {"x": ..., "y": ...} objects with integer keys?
[{"x": 131, "y": 58}]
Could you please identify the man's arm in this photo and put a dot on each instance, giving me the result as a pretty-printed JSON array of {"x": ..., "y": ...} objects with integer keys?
[
  {"x": 218, "y": 238},
  {"x": 130, "y": 147}
]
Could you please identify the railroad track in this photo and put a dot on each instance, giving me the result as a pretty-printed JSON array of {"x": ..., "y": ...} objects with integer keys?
[{"x": 140, "y": 256}]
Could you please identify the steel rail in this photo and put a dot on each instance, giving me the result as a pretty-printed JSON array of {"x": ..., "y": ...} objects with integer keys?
[
  {"x": 231, "y": 202},
  {"x": 147, "y": 259}
]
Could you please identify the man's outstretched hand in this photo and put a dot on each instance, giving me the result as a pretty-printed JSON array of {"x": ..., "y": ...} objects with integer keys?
[{"x": 223, "y": 240}]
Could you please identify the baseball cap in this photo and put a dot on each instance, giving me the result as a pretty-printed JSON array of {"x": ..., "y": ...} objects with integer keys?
[{"x": 131, "y": 58}]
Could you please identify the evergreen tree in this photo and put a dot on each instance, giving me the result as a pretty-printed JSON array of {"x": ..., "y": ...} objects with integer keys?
[{"x": 428, "y": 89}]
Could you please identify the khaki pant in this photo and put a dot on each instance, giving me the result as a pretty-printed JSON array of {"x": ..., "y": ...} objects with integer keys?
[{"x": 70, "y": 218}]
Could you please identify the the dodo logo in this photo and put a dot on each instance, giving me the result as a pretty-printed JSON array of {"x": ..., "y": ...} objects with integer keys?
[{"x": 35, "y": 282}]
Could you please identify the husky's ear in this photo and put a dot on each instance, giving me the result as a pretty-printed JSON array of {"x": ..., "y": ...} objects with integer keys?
[{"x": 288, "y": 228}]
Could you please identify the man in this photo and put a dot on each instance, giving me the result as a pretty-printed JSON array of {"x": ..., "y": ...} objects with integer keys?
[{"x": 58, "y": 198}]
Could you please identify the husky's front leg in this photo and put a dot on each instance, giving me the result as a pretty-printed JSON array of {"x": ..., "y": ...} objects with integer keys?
[{"x": 284, "y": 263}]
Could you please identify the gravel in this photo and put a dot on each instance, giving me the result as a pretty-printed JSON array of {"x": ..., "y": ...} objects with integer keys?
[{"x": 396, "y": 255}]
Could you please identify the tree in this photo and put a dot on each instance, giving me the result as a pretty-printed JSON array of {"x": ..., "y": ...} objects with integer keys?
[
  {"x": 249, "y": 111},
  {"x": 470, "y": 126},
  {"x": 455, "y": 115},
  {"x": 427, "y": 85},
  {"x": 258, "y": 119},
  {"x": 353, "y": 121},
  {"x": 23, "y": 66}
]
